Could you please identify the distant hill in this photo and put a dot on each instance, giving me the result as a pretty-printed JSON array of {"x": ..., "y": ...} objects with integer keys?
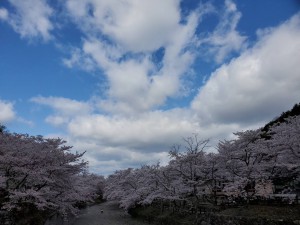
[{"x": 295, "y": 111}]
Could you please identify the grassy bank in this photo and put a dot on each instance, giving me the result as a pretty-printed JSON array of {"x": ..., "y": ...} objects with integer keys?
[{"x": 252, "y": 214}]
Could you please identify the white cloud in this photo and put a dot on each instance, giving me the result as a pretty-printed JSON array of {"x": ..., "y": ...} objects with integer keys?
[
  {"x": 31, "y": 18},
  {"x": 57, "y": 120},
  {"x": 135, "y": 82},
  {"x": 136, "y": 25},
  {"x": 3, "y": 14},
  {"x": 64, "y": 106},
  {"x": 107, "y": 159},
  {"x": 225, "y": 39},
  {"x": 115, "y": 142},
  {"x": 151, "y": 131},
  {"x": 263, "y": 81},
  {"x": 7, "y": 112},
  {"x": 79, "y": 59}
]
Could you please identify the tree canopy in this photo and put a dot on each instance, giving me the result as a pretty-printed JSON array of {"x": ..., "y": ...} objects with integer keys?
[
  {"x": 42, "y": 177},
  {"x": 245, "y": 167}
]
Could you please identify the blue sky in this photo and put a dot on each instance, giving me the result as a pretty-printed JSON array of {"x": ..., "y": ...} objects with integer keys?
[{"x": 124, "y": 80}]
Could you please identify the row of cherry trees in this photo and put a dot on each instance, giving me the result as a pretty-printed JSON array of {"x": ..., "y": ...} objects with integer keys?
[
  {"x": 41, "y": 177},
  {"x": 242, "y": 167}
]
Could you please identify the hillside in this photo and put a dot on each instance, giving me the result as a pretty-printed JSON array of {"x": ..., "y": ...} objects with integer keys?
[{"x": 295, "y": 111}]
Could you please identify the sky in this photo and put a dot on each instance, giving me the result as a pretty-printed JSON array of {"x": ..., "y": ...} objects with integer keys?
[{"x": 124, "y": 80}]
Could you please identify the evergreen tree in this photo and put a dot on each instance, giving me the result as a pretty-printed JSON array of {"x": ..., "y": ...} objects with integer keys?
[{"x": 2, "y": 128}]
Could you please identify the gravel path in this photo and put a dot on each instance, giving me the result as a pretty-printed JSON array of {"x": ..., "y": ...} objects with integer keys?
[{"x": 112, "y": 215}]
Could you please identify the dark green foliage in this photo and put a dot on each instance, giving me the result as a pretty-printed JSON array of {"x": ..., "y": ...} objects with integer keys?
[
  {"x": 295, "y": 111},
  {"x": 2, "y": 128}
]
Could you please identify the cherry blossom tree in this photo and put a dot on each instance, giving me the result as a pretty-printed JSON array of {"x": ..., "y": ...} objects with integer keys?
[
  {"x": 244, "y": 167},
  {"x": 285, "y": 142},
  {"x": 245, "y": 160},
  {"x": 189, "y": 164},
  {"x": 258, "y": 157},
  {"x": 122, "y": 186},
  {"x": 40, "y": 177}
]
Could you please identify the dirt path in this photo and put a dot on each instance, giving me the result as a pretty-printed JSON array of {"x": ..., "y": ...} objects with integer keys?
[{"x": 112, "y": 215}]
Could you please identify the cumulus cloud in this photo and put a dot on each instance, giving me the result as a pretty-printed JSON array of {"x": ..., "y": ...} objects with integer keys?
[
  {"x": 7, "y": 112},
  {"x": 155, "y": 129},
  {"x": 257, "y": 85},
  {"x": 136, "y": 25},
  {"x": 113, "y": 142},
  {"x": 121, "y": 36},
  {"x": 152, "y": 131},
  {"x": 31, "y": 18},
  {"x": 116, "y": 142},
  {"x": 135, "y": 82}
]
